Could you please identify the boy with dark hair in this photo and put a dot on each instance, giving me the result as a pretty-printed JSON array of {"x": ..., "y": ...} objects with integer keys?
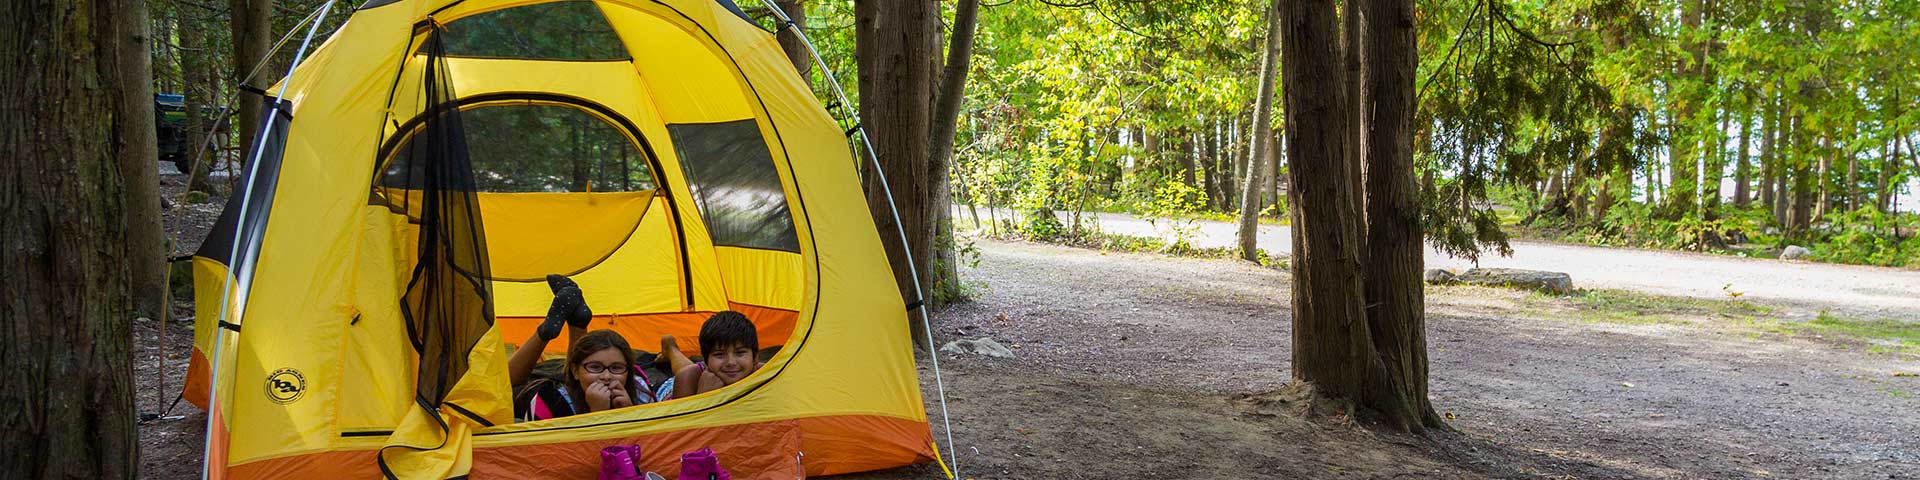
[{"x": 730, "y": 346}]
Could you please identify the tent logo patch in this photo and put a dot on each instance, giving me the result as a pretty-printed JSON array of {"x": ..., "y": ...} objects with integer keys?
[{"x": 286, "y": 386}]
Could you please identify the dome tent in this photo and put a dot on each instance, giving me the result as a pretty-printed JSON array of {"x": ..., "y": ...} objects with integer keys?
[{"x": 661, "y": 152}]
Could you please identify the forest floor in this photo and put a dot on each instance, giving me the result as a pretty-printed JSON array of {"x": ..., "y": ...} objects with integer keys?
[{"x": 1136, "y": 365}]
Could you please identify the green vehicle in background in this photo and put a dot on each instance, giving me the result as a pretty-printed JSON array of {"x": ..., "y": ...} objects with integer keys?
[
  {"x": 170, "y": 129},
  {"x": 170, "y": 123}
]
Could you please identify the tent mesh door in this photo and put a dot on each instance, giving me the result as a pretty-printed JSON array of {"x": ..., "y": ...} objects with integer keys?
[{"x": 448, "y": 303}]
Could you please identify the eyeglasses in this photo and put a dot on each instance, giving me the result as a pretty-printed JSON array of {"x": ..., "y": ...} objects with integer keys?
[{"x": 596, "y": 368}]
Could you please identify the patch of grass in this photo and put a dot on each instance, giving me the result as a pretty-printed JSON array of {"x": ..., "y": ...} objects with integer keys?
[
  {"x": 1631, "y": 308},
  {"x": 1731, "y": 316},
  {"x": 1114, "y": 242},
  {"x": 1897, "y": 393},
  {"x": 1883, "y": 335}
]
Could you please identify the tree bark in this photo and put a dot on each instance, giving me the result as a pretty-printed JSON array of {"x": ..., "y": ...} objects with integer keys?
[
  {"x": 1395, "y": 293},
  {"x": 1209, "y": 163},
  {"x": 895, "y": 43},
  {"x": 1276, "y": 153},
  {"x": 252, "y": 26},
  {"x": 1850, "y": 191},
  {"x": 946, "y": 121},
  {"x": 1352, "y": 38},
  {"x": 139, "y": 156},
  {"x": 1883, "y": 189},
  {"x": 1333, "y": 348},
  {"x": 1261, "y": 136},
  {"x": 1151, "y": 142},
  {"x": 790, "y": 40},
  {"x": 1769, "y": 133},
  {"x": 1556, "y": 186},
  {"x": 67, "y": 335},
  {"x": 1786, "y": 162},
  {"x": 1241, "y": 154},
  {"x": 1803, "y": 188},
  {"x": 194, "y": 68},
  {"x": 1742, "y": 171},
  {"x": 1822, "y": 191},
  {"x": 1712, "y": 169},
  {"x": 1187, "y": 161}
]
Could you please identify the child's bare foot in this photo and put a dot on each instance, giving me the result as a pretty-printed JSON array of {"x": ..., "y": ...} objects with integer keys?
[
  {"x": 668, "y": 347},
  {"x": 671, "y": 354}
]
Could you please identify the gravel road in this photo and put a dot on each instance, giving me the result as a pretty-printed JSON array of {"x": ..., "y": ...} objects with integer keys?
[{"x": 1806, "y": 288}]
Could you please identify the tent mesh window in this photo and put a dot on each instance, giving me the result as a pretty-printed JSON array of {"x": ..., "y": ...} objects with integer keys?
[
  {"x": 522, "y": 147},
  {"x": 448, "y": 302},
  {"x": 263, "y": 177},
  {"x": 568, "y": 30},
  {"x": 735, "y": 184}
]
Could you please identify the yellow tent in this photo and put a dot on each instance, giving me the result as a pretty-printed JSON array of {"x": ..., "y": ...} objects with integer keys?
[{"x": 663, "y": 153}]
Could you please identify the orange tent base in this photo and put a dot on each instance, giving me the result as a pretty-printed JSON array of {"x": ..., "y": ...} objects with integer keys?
[{"x": 767, "y": 450}]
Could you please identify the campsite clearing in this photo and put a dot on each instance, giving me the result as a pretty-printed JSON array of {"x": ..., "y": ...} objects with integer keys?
[{"x": 1157, "y": 374}]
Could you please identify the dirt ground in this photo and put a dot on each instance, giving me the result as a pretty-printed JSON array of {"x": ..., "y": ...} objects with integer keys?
[
  {"x": 1151, "y": 371},
  {"x": 1147, "y": 366}
]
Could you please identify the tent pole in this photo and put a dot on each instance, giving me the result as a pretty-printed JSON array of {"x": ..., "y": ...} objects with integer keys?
[
  {"x": 933, "y": 352},
  {"x": 227, "y": 105},
  {"x": 246, "y": 199}
]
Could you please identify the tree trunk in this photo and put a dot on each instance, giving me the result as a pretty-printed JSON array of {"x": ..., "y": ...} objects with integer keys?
[
  {"x": 1395, "y": 285},
  {"x": 1242, "y": 151},
  {"x": 1851, "y": 190},
  {"x": 1276, "y": 153},
  {"x": 1786, "y": 162},
  {"x": 139, "y": 156},
  {"x": 1209, "y": 166},
  {"x": 1803, "y": 188},
  {"x": 1712, "y": 168},
  {"x": 252, "y": 27},
  {"x": 1769, "y": 134},
  {"x": 1352, "y": 37},
  {"x": 1884, "y": 188},
  {"x": 198, "y": 92},
  {"x": 162, "y": 27},
  {"x": 946, "y": 120},
  {"x": 68, "y": 399},
  {"x": 1683, "y": 196},
  {"x": 895, "y": 43},
  {"x": 1151, "y": 142},
  {"x": 1822, "y": 191},
  {"x": 1261, "y": 136},
  {"x": 1332, "y": 346},
  {"x": 1742, "y": 171},
  {"x": 1613, "y": 165},
  {"x": 1556, "y": 186},
  {"x": 790, "y": 40},
  {"x": 1187, "y": 162}
]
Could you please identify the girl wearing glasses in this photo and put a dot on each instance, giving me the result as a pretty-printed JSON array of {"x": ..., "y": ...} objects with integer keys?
[{"x": 598, "y": 374}]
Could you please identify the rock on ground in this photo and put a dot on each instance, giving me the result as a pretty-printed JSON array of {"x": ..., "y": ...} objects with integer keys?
[
  {"x": 1795, "y": 252},
  {"x": 1556, "y": 283},
  {"x": 979, "y": 346}
]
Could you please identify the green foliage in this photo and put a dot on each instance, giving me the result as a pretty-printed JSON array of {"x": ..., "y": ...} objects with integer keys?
[
  {"x": 1173, "y": 201},
  {"x": 967, "y": 253},
  {"x": 1042, "y": 224},
  {"x": 1456, "y": 224},
  {"x": 1866, "y": 236}
]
